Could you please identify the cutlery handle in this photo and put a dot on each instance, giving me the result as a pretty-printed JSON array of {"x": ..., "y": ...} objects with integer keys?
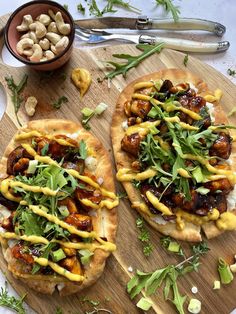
[
  {"x": 143, "y": 22},
  {"x": 184, "y": 44}
]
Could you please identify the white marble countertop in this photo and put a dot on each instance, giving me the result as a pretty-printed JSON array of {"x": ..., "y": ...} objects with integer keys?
[{"x": 215, "y": 10}]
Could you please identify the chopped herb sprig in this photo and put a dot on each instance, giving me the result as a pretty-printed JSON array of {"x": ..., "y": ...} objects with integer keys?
[
  {"x": 144, "y": 237},
  {"x": 58, "y": 103},
  {"x": 185, "y": 62},
  {"x": 16, "y": 93},
  {"x": 11, "y": 302}
]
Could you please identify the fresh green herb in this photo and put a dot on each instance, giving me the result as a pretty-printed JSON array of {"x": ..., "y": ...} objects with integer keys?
[
  {"x": 45, "y": 253},
  {"x": 61, "y": 100},
  {"x": 66, "y": 7},
  {"x": 226, "y": 276},
  {"x": 132, "y": 61},
  {"x": 185, "y": 62},
  {"x": 11, "y": 302},
  {"x": 16, "y": 93},
  {"x": 92, "y": 302},
  {"x": 81, "y": 8},
  {"x": 167, "y": 276},
  {"x": 144, "y": 237},
  {"x": 231, "y": 72},
  {"x": 59, "y": 310},
  {"x": 169, "y": 7},
  {"x": 85, "y": 256},
  {"x": 83, "y": 150},
  {"x": 44, "y": 150},
  {"x": 122, "y": 195},
  {"x": 109, "y": 7},
  {"x": 144, "y": 304},
  {"x": 171, "y": 245},
  {"x": 88, "y": 113}
]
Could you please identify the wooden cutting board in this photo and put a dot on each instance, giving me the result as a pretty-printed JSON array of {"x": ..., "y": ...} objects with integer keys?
[{"x": 112, "y": 284}]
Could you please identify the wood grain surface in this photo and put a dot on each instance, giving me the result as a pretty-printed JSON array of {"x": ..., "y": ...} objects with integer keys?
[{"x": 112, "y": 284}]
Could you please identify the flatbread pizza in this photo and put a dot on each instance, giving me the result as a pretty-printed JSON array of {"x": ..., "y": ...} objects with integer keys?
[
  {"x": 58, "y": 206},
  {"x": 175, "y": 154}
]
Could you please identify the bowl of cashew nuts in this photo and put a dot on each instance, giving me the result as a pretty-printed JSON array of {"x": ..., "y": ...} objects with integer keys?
[{"x": 40, "y": 34}]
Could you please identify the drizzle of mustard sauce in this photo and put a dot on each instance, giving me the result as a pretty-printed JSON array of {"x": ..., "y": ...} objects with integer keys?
[
  {"x": 183, "y": 173},
  {"x": 227, "y": 221},
  {"x": 37, "y": 210},
  {"x": 140, "y": 85},
  {"x": 195, "y": 219},
  {"x": 58, "y": 269},
  {"x": 33, "y": 188},
  {"x": 143, "y": 207},
  {"x": 104, "y": 203},
  {"x": 4, "y": 188},
  {"x": 142, "y": 128},
  {"x": 187, "y": 126},
  {"x": 126, "y": 174},
  {"x": 157, "y": 204}
]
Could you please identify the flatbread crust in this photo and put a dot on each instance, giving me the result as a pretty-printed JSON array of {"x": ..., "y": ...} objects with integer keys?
[
  {"x": 191, "y": 232},
  {"x": 105, "y": 224}
]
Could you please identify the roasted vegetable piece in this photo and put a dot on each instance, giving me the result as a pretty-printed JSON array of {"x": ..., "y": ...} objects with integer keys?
[
  {"x": 21, "y": 166},
  {"x": 131, "y": 143},
  {"x": 18, "y": 252},
  {"x": 89, "y": 193},
  {"x": 70, "y": 204},
  {"x": 72, "y": 264},
  {"x": 222, "y": 146},
  {"x": 7, "y": 203},
  {"x": 82, "y": 222},
  {"x": 219, "y": 185},
  {"x": 18, "y": 153},
  {"x": 7, "y": 222},
  {"x": 140, "y": 107}
]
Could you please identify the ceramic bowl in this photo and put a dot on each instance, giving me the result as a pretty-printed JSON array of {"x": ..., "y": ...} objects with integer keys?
[{"x": 35, "y": 8}]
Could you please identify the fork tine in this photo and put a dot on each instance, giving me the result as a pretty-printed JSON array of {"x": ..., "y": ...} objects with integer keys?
[{"x": 82, "y": 34}]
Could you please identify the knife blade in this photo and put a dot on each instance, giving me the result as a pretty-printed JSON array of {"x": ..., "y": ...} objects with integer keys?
[{"x": 146, "y": 23}]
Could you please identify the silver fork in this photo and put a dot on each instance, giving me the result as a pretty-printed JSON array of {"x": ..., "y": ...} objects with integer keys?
[{"x": 95, "y": 37}]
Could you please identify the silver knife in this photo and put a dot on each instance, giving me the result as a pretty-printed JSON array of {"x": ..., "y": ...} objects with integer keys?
[{"x": 145, "y": 23}]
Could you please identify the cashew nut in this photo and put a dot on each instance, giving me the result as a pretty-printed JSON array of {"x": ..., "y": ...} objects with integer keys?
[
  {"x": 52, "y": 27},
  {"x": 26, "y": 35},
  {"x": 30, "y": 105},
  {"x": 38, "y": 53},
  {"x": 62, "y": 44},
  {"x": 51, "y": 14},
  {"x": 26, "y": 21},
  {"x": 53, "y": 37},
  {"x": 39, "y": 28},
  {"x": 49, "y": 54},
  {"x": 63, "y": 27},
  {"x": 53, "y": 49},
  {"x": 43, "y": 59},
  {"x": 23, "y": 44},
  {"x": 28, "y": 52},
  {"x": 44, "y": 44},
  {"x": 44, "y": 19}
]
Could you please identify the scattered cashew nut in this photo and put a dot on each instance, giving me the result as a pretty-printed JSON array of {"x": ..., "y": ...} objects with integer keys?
[
  {"x": 30, "y": 105},
  {"x": 28, "y": 52},
  {"x": 39, "y": 28},
  {"x": 51, "y": 14},
  {"x": 62, "y": 44},
  {"x": 23, "y": 44},
  {"x": 38, "y": 53},
  {"x": 53, "y": 37},
  {"x": 26, "y": 21},
  {"x": 44, "y": 44},
  {"x": 44, "y": 19},
  {"x": 63, "y": 27},
  {"x": 52, "y": 27},
  {"x": 53, "y": 49},
  {"x": 49, "y": 54}
]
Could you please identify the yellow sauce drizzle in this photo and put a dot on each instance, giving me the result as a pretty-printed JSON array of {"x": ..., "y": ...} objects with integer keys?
[
  {"x": 104, "y": 203},
  {"x": 195, "y": 219},
  {"x": 33, "y": 188},
  {"x": 183, "y": 173},
  {"x": 58, "y": 269},
  {"x": 143, "y": 207},
  {"x": 157, "y": 204},
  {"x": 27, "y": 135},
  {"x": 124, "y": 175},
  {"x": 4, "y": 187},
  {"x": 142, "y": 128},
  {"x": 188, "y": 126},
  {"x": 141, "y": 85},
  {"x": 84, "y": 234},
  {"x": 227, "y": 221}
]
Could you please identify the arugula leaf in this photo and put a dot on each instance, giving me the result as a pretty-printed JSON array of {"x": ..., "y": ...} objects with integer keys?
[
  {"x": 231, "y": 72},
  {"x": 30, "y": 223},
  {"x": 132, "y": 61},
  {"x": 83, "y": 149},
  {"x": 169, "y": 7},
  {"x": 61, "y": 100},
  {"x": 16, "y": 92},
  {"x": 178, "y": 300},
  {"x": 109, "y": 7},
  {"x": 144, "y": 237},
  {"x": 44, "y": 150},
  {"x": 11, "y": 302},
  {"x": 46, "y": 251}
]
